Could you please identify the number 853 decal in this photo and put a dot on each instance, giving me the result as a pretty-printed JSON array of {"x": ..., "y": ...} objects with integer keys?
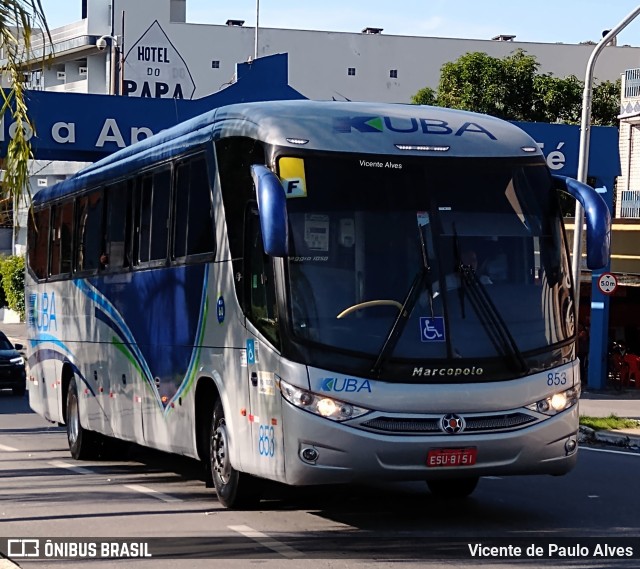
[
  {"x": 266, "y": 441},
  {"x": 557, "y": 378}
]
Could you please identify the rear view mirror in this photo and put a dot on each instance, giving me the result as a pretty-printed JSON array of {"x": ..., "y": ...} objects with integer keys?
[
  {"x": 272, "y": 208},
  {"x": 597, "y": 217}
]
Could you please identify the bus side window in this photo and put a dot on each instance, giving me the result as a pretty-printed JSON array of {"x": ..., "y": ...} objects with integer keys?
[
  {"x": 118, "y": 226},
  {"x": 234, "y": 157},
  {"x": 259, "y": 282},
  {"x": 152, "y": 216},
  {"x": 39, "y": 242},
  {"x": 160, "y": 214},
  {"x": 88, "y": 231},
  {"x": 61, "y": 232},
  {"x": 194, "y": 231}
]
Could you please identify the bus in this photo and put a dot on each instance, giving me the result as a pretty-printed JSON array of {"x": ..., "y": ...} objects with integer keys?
[{"x": 314, "y": 293}]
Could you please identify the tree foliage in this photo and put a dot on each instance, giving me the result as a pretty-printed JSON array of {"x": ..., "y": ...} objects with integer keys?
[
  {"x": 12, "y": 274},
  {"x": 425, "y": 96},
  {"x": 512, "y": 89},
  {"x": 18, "y": 20}
]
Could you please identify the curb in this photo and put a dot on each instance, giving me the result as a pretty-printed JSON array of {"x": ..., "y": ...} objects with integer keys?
[{"x": 587, "y": 435}]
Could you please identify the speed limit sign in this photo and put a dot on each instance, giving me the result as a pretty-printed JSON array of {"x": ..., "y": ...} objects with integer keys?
[{"x": 607, "y": 283}]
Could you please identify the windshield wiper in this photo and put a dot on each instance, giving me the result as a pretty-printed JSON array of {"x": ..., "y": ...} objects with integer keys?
[
  {"x": 490, "y": 316},
  {"x": 417, "y": 286}
]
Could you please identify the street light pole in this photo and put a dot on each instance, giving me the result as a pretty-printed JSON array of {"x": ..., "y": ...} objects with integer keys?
[
  {"x": 598, "y": 337},
  {"x": 255, "y": 44},
  {"x": 583, "y": 156}
]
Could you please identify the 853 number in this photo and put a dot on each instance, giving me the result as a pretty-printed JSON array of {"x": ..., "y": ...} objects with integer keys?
[
  {"x": 557, "y": 378},
  {"x": 266, "y": 441}
]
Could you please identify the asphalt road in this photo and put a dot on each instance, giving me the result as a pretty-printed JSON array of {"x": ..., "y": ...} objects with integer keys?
[{"x": 44, "y": 493}]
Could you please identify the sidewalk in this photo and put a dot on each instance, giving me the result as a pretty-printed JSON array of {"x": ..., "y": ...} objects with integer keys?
[{"x": 623, "y": 404}]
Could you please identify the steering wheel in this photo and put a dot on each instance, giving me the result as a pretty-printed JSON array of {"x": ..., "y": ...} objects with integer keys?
[{"x": 369, "y": 304}]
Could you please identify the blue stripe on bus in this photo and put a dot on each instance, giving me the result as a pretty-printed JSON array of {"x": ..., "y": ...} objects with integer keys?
[
  {"x": 163, "y": 348},
  {"x": 48, "y": 354}
]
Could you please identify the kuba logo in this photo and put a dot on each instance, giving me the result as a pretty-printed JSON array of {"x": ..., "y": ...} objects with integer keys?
[
  {"x": 348, "y": 385},
  {"x": 407, "y": 125}
]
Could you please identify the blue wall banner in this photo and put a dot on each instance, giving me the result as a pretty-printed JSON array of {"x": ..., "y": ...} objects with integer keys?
[{"x": 84, "y": 127}]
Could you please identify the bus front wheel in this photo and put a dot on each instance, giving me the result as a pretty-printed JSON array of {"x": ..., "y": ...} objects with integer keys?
[
  {"x": 453, "y": 488},
  {"x": 235, "y": 489}
]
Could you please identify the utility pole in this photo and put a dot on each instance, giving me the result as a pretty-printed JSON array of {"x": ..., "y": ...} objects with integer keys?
[
  {"x": 255, "y": 43},
  {"x": 599, "y": 302}
]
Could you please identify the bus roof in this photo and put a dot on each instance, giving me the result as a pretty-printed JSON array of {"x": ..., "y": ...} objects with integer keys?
[{"x": 364, "y": 128}]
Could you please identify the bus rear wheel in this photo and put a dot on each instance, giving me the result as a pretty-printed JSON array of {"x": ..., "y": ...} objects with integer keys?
[
  {"x": 235, "y": 489},
  {"x": 453, "y": 488},
  {"x": 82, "y": 443}
]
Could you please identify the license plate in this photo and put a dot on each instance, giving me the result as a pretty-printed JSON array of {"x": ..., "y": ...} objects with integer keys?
[{"x": 452, "y": 456}]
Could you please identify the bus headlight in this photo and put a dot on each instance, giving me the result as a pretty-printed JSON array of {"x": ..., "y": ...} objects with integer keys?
[
  {"x": 327, "y": 407},
  {"x": 557, "y": 402}
]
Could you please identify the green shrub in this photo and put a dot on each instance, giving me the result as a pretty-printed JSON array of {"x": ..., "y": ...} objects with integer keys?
[
  {"x": 12, "y": 273},
  {"x": 3, "y": 296},
  {"x": 608, "y": 423}
]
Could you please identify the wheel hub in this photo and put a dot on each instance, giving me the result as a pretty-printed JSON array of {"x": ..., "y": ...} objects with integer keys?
[{"x": 220, "y": 463}]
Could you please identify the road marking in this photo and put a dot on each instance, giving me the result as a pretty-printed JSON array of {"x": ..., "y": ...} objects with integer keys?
[
  {"x": 611, "y": 451},
  {"x": 267, "y": 541},
  {"x": 152, "y": 492},
  {"x": 134, "y": 487},
  {"x": 67, "y": 466},
  {"x": 8, "y": 449}
]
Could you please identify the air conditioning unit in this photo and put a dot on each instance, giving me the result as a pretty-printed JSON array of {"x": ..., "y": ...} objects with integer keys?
[
  {"x": 61, "y": 75},
  {"x": 82, "y": 70}
]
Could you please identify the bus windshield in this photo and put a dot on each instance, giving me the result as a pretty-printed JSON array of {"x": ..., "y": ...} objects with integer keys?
[{"x": 481, "y": 239}]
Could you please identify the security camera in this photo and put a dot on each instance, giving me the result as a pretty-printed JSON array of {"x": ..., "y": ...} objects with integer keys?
[{"x": 101, "y": 44}]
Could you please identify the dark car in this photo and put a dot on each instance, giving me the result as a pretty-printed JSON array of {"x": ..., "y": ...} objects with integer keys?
[{"x": 12, "y": 372}]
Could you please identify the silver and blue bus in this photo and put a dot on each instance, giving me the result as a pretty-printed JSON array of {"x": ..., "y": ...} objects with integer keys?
[{"x": 314, "y": 293}]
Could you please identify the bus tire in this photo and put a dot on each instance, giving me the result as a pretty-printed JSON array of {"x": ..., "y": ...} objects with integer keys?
[
  {"x": 453, "y": 488},
  {"x": 83, "y": 444},
  {"x": 235, "y": 489}
]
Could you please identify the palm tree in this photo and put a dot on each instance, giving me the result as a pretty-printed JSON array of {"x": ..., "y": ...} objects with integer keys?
[{"x": 18, "y": 20}]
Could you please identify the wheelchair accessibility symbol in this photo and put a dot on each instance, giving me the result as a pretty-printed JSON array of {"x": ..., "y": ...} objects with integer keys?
[
  {"x": 432, "y": 329},
  {"x": 251, "y": 351}
]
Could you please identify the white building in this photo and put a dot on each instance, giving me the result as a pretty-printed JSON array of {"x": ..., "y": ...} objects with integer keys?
[
  {"x": 628, "y": 202},
  {"x": 162, "y": 55}
]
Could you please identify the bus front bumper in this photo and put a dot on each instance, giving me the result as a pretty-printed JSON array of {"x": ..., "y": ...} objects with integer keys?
[{"x": 320, "y": 451}]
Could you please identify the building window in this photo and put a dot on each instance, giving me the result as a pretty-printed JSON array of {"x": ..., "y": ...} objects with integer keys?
[
  {"x": 351, "y": 71},
  {"x": 215, "y": 64},
  {"x": 393, "y": 73}
]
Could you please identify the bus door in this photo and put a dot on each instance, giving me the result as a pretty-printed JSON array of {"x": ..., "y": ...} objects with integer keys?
[{"x": 263, "y": 360}]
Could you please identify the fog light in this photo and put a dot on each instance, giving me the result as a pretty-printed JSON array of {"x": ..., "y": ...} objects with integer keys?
[
  {"x": 570, "y": 446},
  {"x": 309, "y": 455}
]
